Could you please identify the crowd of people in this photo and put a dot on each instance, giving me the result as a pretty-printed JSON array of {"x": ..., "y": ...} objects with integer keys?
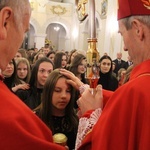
[
  {"x": 29, "y": 72},
  {"x": 35, "y": 79},
  {"x": 44, "y": 92}
]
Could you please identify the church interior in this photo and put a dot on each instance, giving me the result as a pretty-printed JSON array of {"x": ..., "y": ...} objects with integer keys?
[{"x": 69, "y": 24}]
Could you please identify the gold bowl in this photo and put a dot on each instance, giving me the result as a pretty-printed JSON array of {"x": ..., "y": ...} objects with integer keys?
[{"x": 60, "y": 138}]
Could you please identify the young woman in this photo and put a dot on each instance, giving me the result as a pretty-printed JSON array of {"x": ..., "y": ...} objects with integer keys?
[
  {"x": 23, "y": 70},
  {"x": 107, "y": 80},
  {"x": 57, "y": 107},
  {"x": 78, "y": 68},
  {"x": 51, "y": 55},
  {"x": 9, "y": 74},
  {"x": 10, "y": 78},
  {"x": 121, "y": 76},
  {"x": 60, "y": 60},
  {"x": 23, "y": 73},
  {"x": 37, "y": 56},
  {"x": 73, "y": 53},
  {"x": 32, "y": 97},
  {"x": 21, "y": 53}
]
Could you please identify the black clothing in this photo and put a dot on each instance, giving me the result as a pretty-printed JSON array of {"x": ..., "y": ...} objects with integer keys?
[
  {"x": 61, "y": 126},
  {"x": 119, "y": 64},
  {"x": 108, "y": 81},
  {"x": 9, "y": 82},
  {"x": 31, "y": 97},
  {"x": 128, "y": 63}
]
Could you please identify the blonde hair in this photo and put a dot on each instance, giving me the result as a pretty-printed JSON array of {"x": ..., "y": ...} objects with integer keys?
[
  {"x": 25, "y": 61},
  {"x": 37, "y": 55},
  {"x": 127, "y": 75}
]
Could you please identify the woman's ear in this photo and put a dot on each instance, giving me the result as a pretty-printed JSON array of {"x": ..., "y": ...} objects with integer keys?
[{"x": 5, "y": 15}]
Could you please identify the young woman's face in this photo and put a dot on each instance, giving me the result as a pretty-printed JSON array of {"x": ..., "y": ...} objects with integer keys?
[
  {"x": 9, "y": 70},
  {"x": 51, "y": 57},
  {"x": 18, "y": 55},
  {"x": 73, "y": 55},
  {"x": 40, "y": 56},
  {"x": 61, "y": 96},
  {"x": 45, "y": 68},
  {"x": 105, "y": 66},
  {"x": 82, "y": 67},
  {"x": 22, "y": 70},
  {"x": 64, "y": 61}
]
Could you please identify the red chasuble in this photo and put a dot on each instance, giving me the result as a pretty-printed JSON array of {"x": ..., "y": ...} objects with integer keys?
[
  {"x": 20, "y": 128},
  {"x": 125, "y": 121}
]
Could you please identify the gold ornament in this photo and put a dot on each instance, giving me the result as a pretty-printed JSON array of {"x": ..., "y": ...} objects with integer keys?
[{"x": 59, "y": 10}]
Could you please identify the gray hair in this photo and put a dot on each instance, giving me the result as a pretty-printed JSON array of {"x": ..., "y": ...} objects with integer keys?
[
  {"x": 128, "y": 21},
  {"x": 19, "y": 7}
]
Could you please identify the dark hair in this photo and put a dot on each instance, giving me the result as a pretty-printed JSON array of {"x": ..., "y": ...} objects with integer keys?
[
  {"x": 71, "y": 53},
  {"x": 10, "y": 81},
  {"x": 75, "y": 63},
  {"x": 58, "y": 59},
  {"x": 14, "y": 75},
  {"x": 107, "y": 57},
  {"x": 49, "y": 53},
  {"x": 74, "y": 66},
  {"x": 107, "y": 80},
  {"x": 46, "y": 104},
  {"x": 34, "y": 72}
]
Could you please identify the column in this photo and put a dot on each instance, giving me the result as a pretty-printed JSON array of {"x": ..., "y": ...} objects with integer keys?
[{"x": 40, "y": 40}]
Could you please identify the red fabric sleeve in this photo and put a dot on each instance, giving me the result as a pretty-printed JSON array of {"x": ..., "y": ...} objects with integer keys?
[
  {"x": 88, "y": 113},
  {"x": 106, "y": 95},
  {"x": 20, "y": 128}
]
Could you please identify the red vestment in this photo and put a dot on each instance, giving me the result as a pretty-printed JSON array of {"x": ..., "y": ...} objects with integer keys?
[
  {"x": 125, "y": 121},
  {"x": 20, "y": 128}
]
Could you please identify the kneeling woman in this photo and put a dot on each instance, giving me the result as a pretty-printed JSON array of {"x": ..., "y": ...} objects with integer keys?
[{"x": 56, "y": 109}]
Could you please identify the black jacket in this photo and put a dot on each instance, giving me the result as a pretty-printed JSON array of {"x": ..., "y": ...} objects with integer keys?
[
  {"x": 31, "y": 97},
  {"x": 108, "y": 81},
  {"x": 118, "y": 66}
]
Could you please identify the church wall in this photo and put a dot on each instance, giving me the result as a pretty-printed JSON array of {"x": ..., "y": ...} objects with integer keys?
[{"x": 45, "y": 13}]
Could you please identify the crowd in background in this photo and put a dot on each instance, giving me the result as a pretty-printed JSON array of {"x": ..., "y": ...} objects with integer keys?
[{"x": 31, "y": 76}]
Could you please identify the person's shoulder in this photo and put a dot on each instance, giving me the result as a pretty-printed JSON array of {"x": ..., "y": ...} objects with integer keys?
[
  {"x": 10, "y": 99},
  {"x": 114, "y": 74},
  {"x": 22, "y": 121},
  {"x": 123, "y": 61},
  {"x": 115, "y": 81},
  {"x": 115, "y": 60},
  {"x": 113, "y": 77},
  {"x": 37, "y": 112}
]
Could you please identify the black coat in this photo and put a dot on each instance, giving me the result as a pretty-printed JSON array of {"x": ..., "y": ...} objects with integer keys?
[
  {"x": 118, "y": 66},
  {"x": 108, "y": 81},
  {"x": 31, "y": 97},
  {"x": 127, "y": 64}
]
